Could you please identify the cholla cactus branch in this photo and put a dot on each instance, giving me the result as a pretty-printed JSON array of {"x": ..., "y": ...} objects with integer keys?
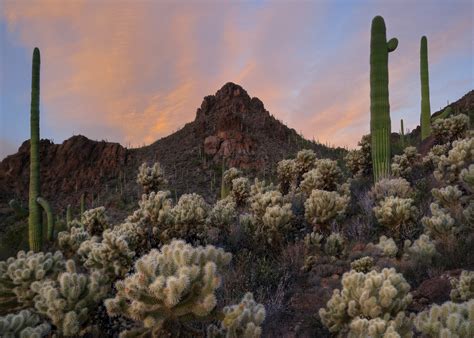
[{"x": 151, "y": 178}]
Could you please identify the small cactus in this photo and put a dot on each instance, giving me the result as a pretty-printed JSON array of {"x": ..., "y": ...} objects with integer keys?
[
  {"x": 462, "y": 289},
  {"x": 25, "y": 324},
  {"x": 151, "y": 178}
]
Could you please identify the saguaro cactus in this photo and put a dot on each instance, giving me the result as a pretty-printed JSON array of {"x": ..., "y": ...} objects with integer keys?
[
  {"x": 34, "y": 221},
  {"x": 402, "y": 134},
  {"x": 380, "y": 126},
  {"x": 425, "y": 118}
]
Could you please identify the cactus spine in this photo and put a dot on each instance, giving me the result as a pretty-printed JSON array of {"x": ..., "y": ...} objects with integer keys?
[
  {"x": 380, "y": 126},
  {"x": 425, "y": 90},
  {"x": 34, "y": 221}
]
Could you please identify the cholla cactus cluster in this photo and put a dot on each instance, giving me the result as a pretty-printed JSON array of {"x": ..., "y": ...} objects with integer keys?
[
  {"x": 177, "y": 283},
  {"x": 18, "y": 273},
  {"x": 396, "y": 214},
  {"x": 422, "y": 250},
  {"x": 359, "y": 161},
  {"x": 230, "y": 175},
  {"x": 387, "y": 246},
  {"x": 401, "y": 327},
  {"x": 364, "y": 264},
  {"x": 312, "y": 241},
  {"x": 25, "y": 324},
  {"x": 459, "y": 157},
  {"x": 323, "y": 206},
  {"x": 241, "y": 320},
  {"x": 68, "y": 300},
  {"x": 447, "y": 320},
  {"x": 262, "y": 201},
  {"x": 276, "y": 223},
  {"x": 402, "y": 164},
  {"x": 335, "y": 245},
  {"x": 95, "y": 221},
  {"x": 396, "y": 187},
  {"x": 151, "y": 178},
  {"x": 462, "y": 289},
  {"x": 222, "y": 214},
  {"x": 440, "y": 224},
  {"x": 434, "y": 155},
  {"x": 155, "y": 211},
  {"x": 240, "y": 190},
  {"x": 450, "y": 129},
  {"x": 286, "y": 174},
  {"x": 325, "y": 176},
  {"x": 384, "y": 295},
  {"x": 448, "y": 197},
  {"x": 304, "y": 162},
  {"x": 70, "y": 241}
]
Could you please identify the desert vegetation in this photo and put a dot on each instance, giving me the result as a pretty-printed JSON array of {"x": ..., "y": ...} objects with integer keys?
[{"x": 323, "y": 247}]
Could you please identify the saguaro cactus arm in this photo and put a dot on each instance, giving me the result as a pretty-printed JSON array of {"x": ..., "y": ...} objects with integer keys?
[{"x": 49, "y": 214}]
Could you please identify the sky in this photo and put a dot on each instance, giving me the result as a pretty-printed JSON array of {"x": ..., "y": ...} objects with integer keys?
[{"x": 135, "y": 71}]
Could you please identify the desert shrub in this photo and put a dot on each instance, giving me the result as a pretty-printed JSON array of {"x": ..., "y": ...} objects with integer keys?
[
  {"x": 462, "y": 288},
  {"x": 447, "y": 320},
  {"x": 450, "y": 129},
  {"x": 359, "y": 161},
  {"x": 24, "y": 324},
  {"x": 240, "y": 190},
  {"x": 402, "y": 164},
  {"x": 459, "y": 157},
  {"x": 325, "y": 176},
  {"x": 68, "y": 300},
  {"x": 95, "y": 221},
  {"x": 395, "y": 187},
  {"x": 304, "y": 162},
  {"x": 151, "y": 178},
  {"x": 276, "y": 223},
  {"x": 170, "y": 287},
  {"x": 323, "y": 206},
  {"x": 286, "y": 175},
  {"x": 364, "y": 264},
  {"x": 396, "y": 214},
  {"x": 241, "y": 320},
  {"x": 387, "y": 246},
  {"x": 18, "y": 273},
  {"x": 222, "y": 215},
  {"x": 421, "y": 251},
  {"x": 264, "y": 200},
  {"x": 334, "y": 245},
  {"x": 384, "y": 295}
]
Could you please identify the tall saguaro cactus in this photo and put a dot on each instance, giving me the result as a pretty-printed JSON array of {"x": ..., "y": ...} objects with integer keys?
[
  {"x": 380, "y": 126},
  {"x": 35, "y": 217},
  {"x": 425, "y": 118},
  {"x": 402, "y": 134}
]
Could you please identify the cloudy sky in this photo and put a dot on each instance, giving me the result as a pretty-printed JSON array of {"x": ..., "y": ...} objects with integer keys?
[{"x": 135, "y": 71}]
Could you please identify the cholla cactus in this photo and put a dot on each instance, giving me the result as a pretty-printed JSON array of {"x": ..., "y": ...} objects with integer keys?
[
  {"x": 312, "y": 241},
  {"x": 371, "y": 295},
  {"x": 466, "y": 177},
  {"x": 133, "y": 233},
  {"x": 240, "y": 190},
  {"x": 275, "y": 223},
  {"x": 25, "y": 324},
  {"x": 222, "y": 214},
  {"x": 387, "y": 246},
  {"x": 230, "y": 175},
  {"x": 95, "y": 221},
  {"x": 151, "y": 178},
  {"x": 401, "y": 327},
  {"x": 111, "y": 256},
  {"x": 335, "y": 245},
  {"x": 18, "y": 273},
  {"x": 325, "y": 176},
  {"x": 262, "y": 201},
  {"x": 175, "y": 284},
  {"x": 434, "y": 155},
  {"x": 402, "y": 164},
  {"x": 68, "y": 300},
  {"x": 364, "y": 264},
  {"x": 447, "y": 320},
  {"x": 155, "y": 209},
  {"x": 448, "y": 196},
  {"x": 459, "y": 158},
  {"x": 396, "y": 187},
  {"x": 286, "y": 174},
  {"x": 304, "y": 162},
  {"x": 450, "y": 129},
  {"x": 323, "y": 206},
  {"x": 462, "y": 289},
  {"x": 241, "y": 320},
  {"x": 396, "y": 214},
  {"x": 422, "y": 250},
  {"x": 69, "y": 241},
  {"x": 440, "y": 224},
  {"x": 359, "y": 161}
]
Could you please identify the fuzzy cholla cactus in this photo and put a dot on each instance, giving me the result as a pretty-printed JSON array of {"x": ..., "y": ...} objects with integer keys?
[
  {"x": 262, "y": 201},
  {"x": 434, "y": 155},
  {"x": 323, "y": 206},
  {"x": 175, "y": 284},
  {"x": 154, "y": 209},
  {"x": 459, "y": 158},
  {"x": 396, "y": 214},
  {"x": 396, "y": 187},
  {"x": 304, "y": 162},
  {"x": 241, "y": 320},
  {"x": 449, "y": 320},
  {"x": 111, "y": 256},
  {"x": 68, "y": 300},
  {"x": 462, "y": 289},
  {"x": 286, "y": 174},
  {"x": 312, "y": 241},
  {"x": 371, "y": 295},
  {"x": 422, "y": 250},
  {"x": 466, "y": 177},
  {"x": 275, "y": 223},
  {"x": 240, "y": 190},
  {"x": 387, "y": 246},
  {"x": 448, "y": 197},
  {"x": 18, "y": 273},
  {"x": 151, "y": 178},
  {"x": 230, "y": 175},
  {"x": 335, "y": 245},
  {"x": 70, "y": 241},
  {"x": 450, "y": 129},
  {"x": 440, "y": 224},
  {"x": 325, "y": 176},
  {"x": 223, "y": 214},
  {"x": 400, "y": 327},
  {"x": 364, "y": 264},
  {"x": 25, "y": 324},
  {"x": 402, "y": 164},
  {"x": 359, "y": 161},
  {"x": 95, "y": 221}
]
